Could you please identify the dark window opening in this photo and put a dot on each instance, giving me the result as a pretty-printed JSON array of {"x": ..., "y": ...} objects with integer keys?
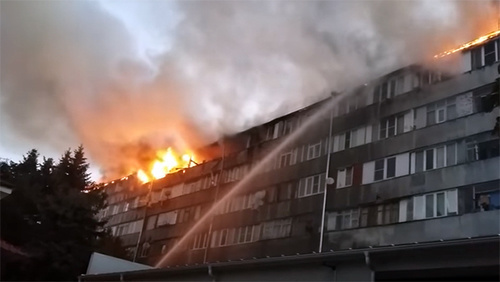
[
  {"x": 429, "y": 159},
  {"x": 489, "y": 53},
  {"x": 488, "y": 149},
  {"x": 391, "y": 127},
  {"x": 347, "y": 142},
  {"x": 391, "y": 167},
  {"x": 379, "y": 169}
]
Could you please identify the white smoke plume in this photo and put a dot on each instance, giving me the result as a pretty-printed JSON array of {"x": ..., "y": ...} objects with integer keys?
[{"x": 125, "y": 78}]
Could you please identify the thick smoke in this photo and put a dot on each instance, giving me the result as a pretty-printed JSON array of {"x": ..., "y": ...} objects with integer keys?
[{"x": 124, "y": 78}]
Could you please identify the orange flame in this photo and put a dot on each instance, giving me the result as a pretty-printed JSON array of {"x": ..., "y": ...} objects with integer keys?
[
  {"x": 469, "y": 44},
  {"x": 167, "y": 162}
]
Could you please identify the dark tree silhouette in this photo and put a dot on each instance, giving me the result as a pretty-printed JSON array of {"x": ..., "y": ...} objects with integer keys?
[{"x": 51, "y": 216}]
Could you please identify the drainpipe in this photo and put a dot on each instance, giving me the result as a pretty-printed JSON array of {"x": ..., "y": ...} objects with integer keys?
[
  {"x": 148, "y": 198},
  {"x": 325, "y": 192},
  {"x": 210, "y": 273},
  {"x": 209, "y": 235},
  {"x": 368, "y": 263}
]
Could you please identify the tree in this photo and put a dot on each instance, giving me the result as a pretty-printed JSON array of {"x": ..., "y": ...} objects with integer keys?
[{"x": 52, "y": 216}]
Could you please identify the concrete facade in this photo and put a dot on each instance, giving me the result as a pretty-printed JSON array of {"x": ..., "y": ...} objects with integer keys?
[{"x": 407, "y": 166}]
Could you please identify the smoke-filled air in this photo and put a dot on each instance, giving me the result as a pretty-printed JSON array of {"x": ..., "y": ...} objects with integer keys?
[{"x": 127, "y": 78}]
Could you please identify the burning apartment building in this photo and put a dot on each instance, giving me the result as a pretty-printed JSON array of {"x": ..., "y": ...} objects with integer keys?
[{"x": 398, "y": 181}]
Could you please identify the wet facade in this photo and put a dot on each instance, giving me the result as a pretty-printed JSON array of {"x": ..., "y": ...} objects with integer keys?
[{"x": 399, "y": 181}]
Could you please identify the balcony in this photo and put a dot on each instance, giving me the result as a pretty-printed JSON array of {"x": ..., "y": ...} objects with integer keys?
[{"x": 446, "y": 228}]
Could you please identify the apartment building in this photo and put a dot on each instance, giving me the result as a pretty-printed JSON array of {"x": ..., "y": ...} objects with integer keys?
[{"x": 398, "y": 181}]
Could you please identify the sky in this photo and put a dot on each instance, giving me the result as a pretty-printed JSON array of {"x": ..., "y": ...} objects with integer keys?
[{"x": 125, "y": 78}]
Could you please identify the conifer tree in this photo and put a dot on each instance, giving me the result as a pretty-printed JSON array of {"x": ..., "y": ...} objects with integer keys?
[{"x": 52, "y": 216}]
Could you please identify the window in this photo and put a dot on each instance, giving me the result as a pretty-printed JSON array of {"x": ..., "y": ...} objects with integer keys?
[
  {"x": 126, "y": 206},
  {"x": 235, "y": 173},
  {"x": 364, "y": 217},
  {"x": 287, "y": 158},
  {"x": 387, "y": 127},
  {"x": 244, "y": 234},
  {"x": 151, "y": 222},
  {"x": 482, "y": 150},
  {"x": 386, "y": 90},
  {"x": 277, "y": 228},
  {"x": 490, "y": 55},
  {"x": 343, "y": 220},
  {"x": 391, "y": 167},
  {"x": 223, "y": 237},
  {"x": 115, "y": 209},
  {"x": 311, "y": 185},
  {"x": 396, "y": 124},
  {"x": 438, "y": 157},
  {"x": 385, "y": 168},
  {"x": 347, "y": 140},
  {"x": 344, "y": 177},
  {"x": 167, "y": 218},
  {"x": 155, "y": 196},
  {"x": 188, "y": 214},
  {"x": 442, "y": 111},
  {"x": 430, "y": 77},
  {"x": 448, "y": 109},
  {"x": 487, "y": 201},
  {"x": 476, "y": 57},
  {"x": 435, "y": 204},
  {"x": 129, "y": 228},
  {"x": 238, "y": 235},
  {"x": 274, "y": 131},
  {"x": 200, "y": 241},
  {"x": 388, "y": 213},
  {"x": 288, "y": 128},
  {"x": 381, "y": 169},
  {"x": 314, "y": 151},
  {"x": 352, "y": 138}
]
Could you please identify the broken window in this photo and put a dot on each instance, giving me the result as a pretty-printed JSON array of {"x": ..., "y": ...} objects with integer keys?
[{"x": 490, "y": 55}]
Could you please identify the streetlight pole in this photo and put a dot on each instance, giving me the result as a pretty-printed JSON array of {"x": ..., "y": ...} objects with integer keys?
[{"x": 327, "y": 178}]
